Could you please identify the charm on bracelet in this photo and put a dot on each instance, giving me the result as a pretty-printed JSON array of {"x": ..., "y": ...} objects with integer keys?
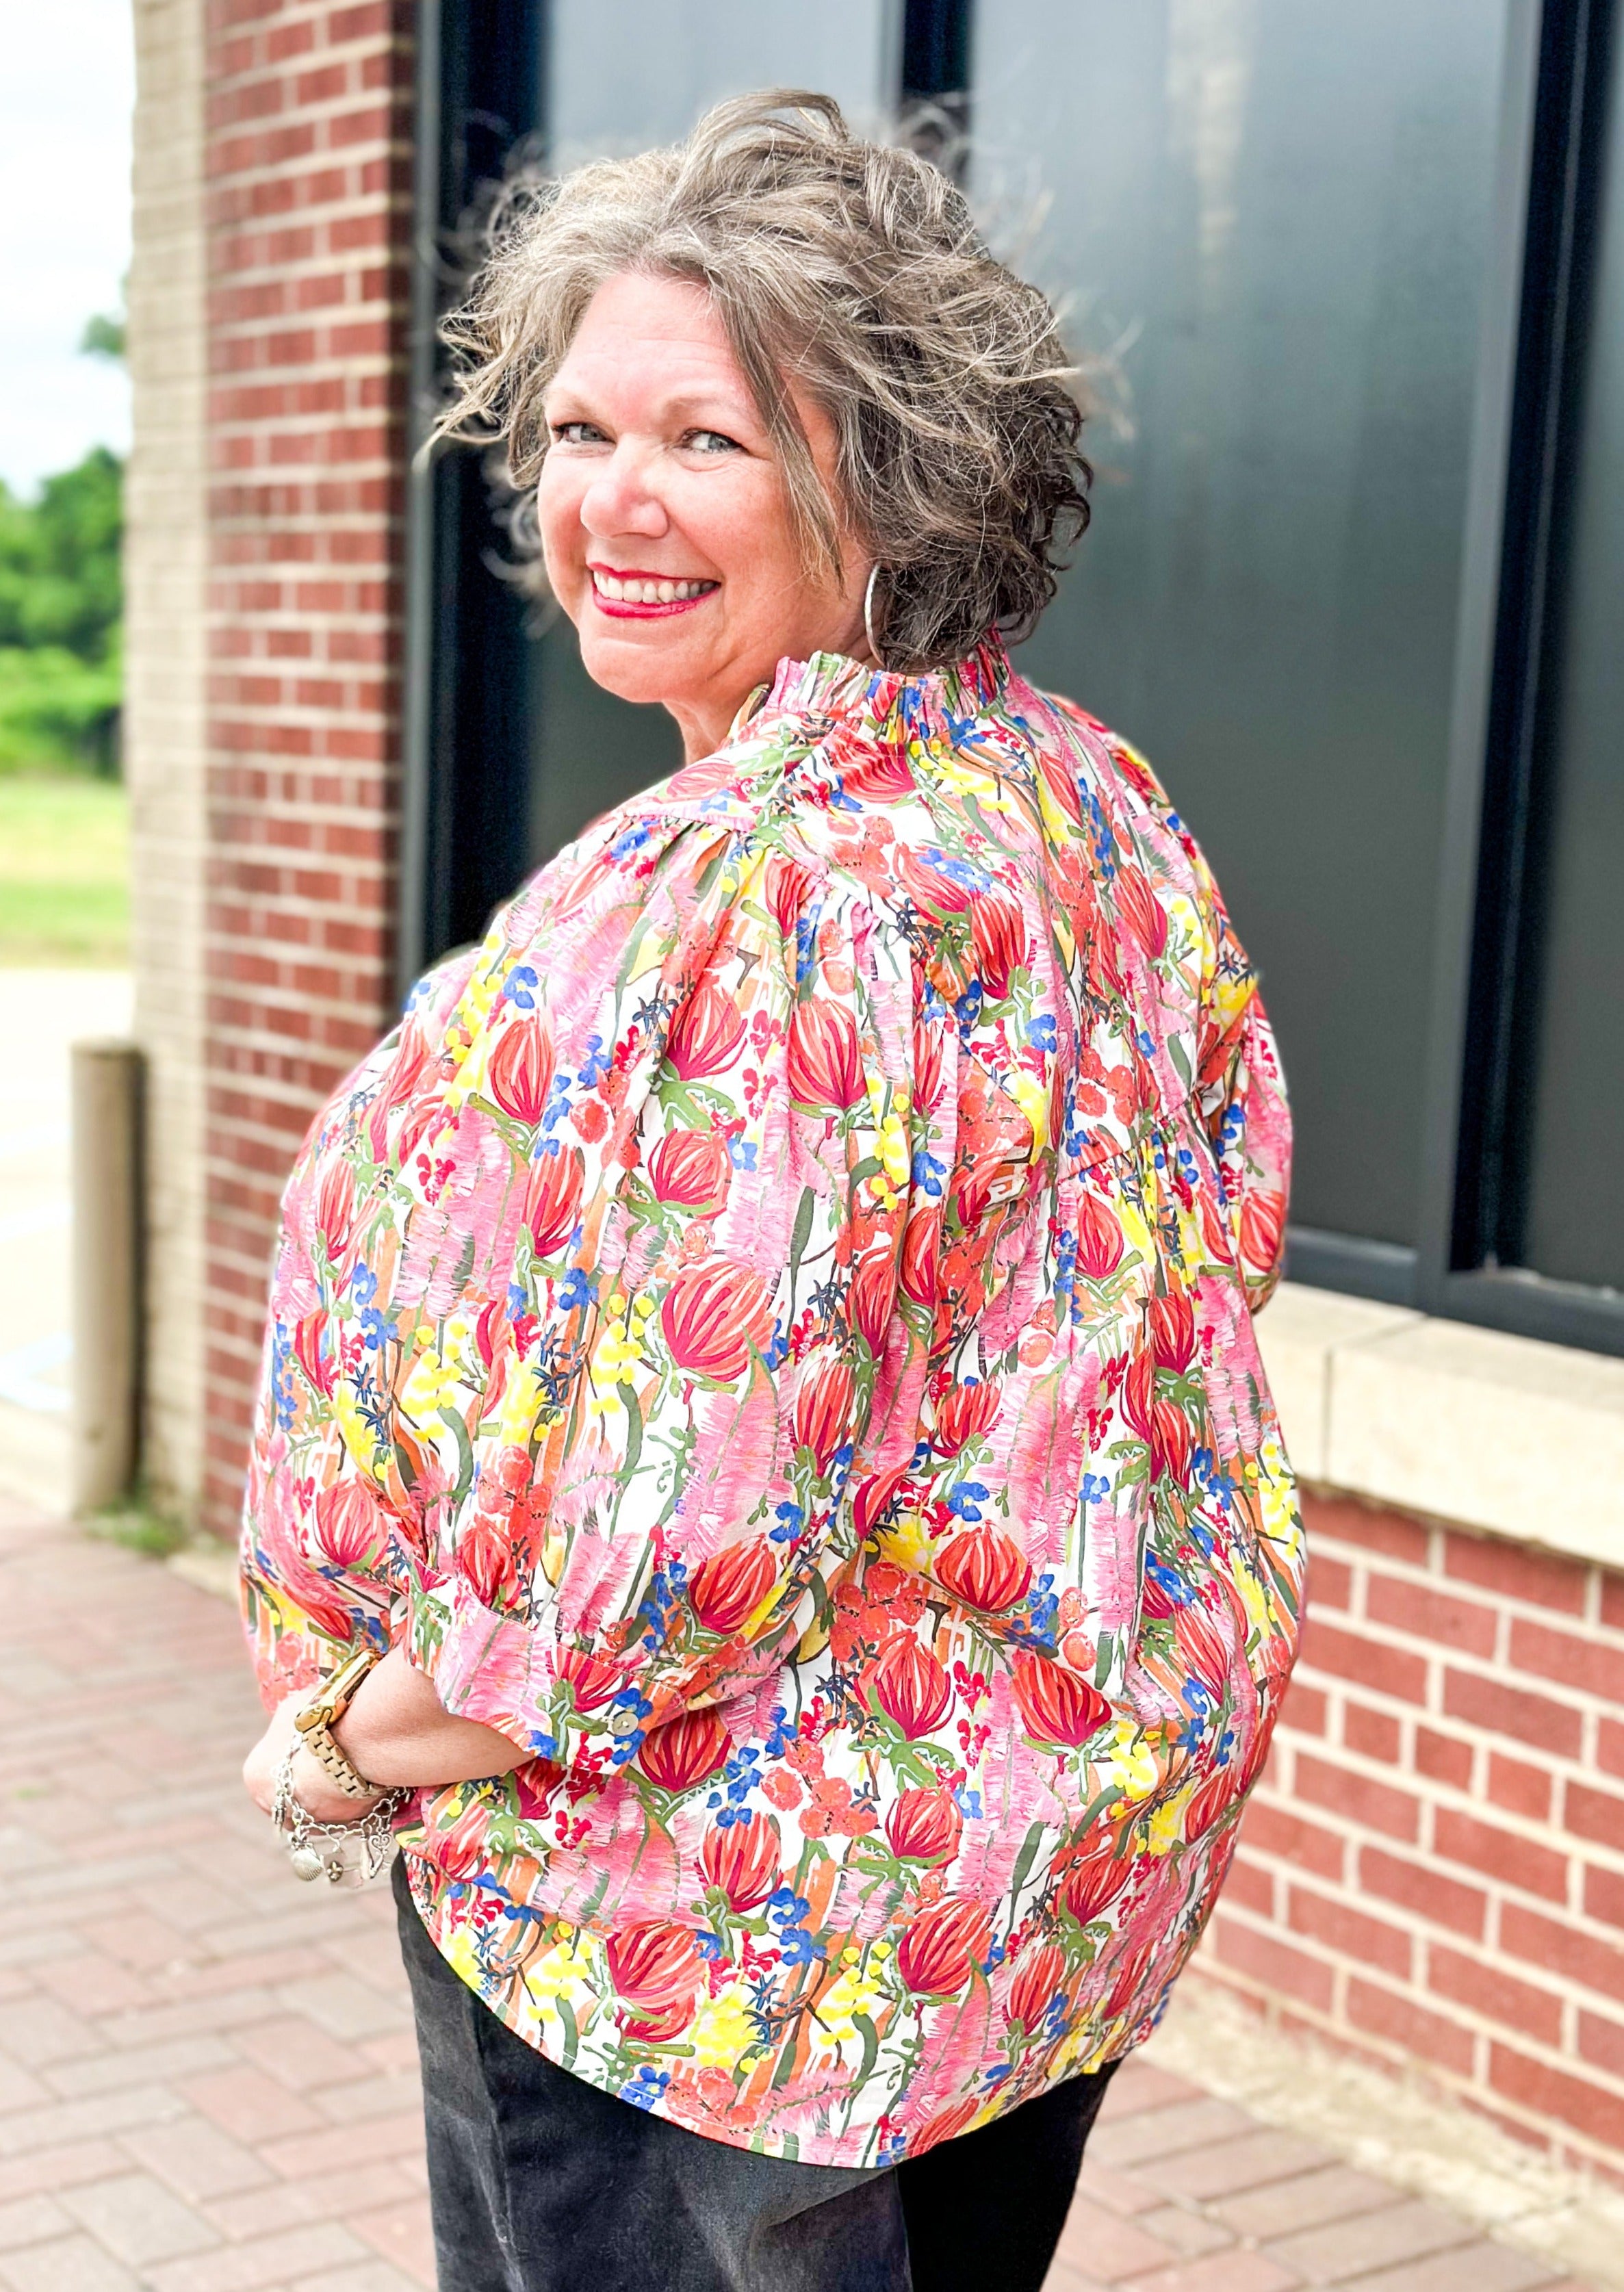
[{"x": 348, "y": 1854}]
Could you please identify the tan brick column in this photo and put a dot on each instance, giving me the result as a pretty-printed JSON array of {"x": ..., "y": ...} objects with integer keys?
[{"x": 166, "y": 572}]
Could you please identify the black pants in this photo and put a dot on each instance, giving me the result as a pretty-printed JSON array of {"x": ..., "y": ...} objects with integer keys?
[{"x": 540, "y": 2183}]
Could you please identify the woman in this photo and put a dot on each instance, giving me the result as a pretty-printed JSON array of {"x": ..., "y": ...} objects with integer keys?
[{"x": 765, "y": 1346}]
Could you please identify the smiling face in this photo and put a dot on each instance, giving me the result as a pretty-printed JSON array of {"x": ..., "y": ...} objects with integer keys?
[{"x": 664, "y": 521}]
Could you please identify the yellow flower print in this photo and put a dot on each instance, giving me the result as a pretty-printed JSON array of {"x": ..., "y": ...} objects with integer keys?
[
  {"x": 1282, "y": 1523},
  {"x": 853, "y": 1993},
  {"x": 432, "y": 1383},
  {"x": 1130, "y": 1763},
  {"x": 723, "y": 2029},
  {"x": 360, "y": 1438},
  {"x": 1165, "y": 1825},
  {"x": 908, "y": 1542},
  {"x": 893, "y": 1150}
]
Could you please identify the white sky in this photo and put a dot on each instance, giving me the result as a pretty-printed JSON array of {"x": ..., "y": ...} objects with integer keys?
[{"x": 67, "y": 89}]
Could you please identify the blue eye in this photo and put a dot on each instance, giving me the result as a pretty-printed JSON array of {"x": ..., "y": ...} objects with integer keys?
[{"x": 712, "y": 441}]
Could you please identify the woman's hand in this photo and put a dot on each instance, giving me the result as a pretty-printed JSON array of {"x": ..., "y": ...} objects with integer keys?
[
  {"x": 396, "y": 1732},
  {"x": 314, "y": 1789}
]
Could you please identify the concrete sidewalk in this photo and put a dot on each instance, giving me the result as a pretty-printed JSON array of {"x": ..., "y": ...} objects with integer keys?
[{"x": 207, "y": 2080}]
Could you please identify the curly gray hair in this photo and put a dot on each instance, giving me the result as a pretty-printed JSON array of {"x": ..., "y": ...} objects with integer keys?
[{"x": 858, "y": 269}]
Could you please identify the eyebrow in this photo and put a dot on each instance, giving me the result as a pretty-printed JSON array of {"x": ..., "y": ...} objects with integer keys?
[{"x": 685, "y": 402}]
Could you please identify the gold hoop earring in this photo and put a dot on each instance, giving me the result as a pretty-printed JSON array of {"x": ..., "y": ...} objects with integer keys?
[{"x": 874, "y": 649}]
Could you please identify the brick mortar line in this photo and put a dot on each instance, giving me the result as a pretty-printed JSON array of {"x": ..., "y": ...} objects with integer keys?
[
  {"x": 1410, "y": 1993},
  {"x": 1585, "y": 1852},
  {"x": 1583, "y": 1700},
  {"x": 1494, "y": 1957},
  {"x": 1400, "y": 1777},
  {"x": 1342, "y": 2038},
  {"x": 1433, "y": 1574}
]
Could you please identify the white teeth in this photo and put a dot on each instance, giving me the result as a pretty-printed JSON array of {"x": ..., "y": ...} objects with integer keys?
[{"x": 620, "y": 591}]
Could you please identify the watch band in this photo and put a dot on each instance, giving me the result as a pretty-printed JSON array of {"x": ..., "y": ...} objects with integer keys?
[{"x": 315, "y": 1724}]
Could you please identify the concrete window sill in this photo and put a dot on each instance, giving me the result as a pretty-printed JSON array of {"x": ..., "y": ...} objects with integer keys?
[{"x": 1498, "y": 1432}]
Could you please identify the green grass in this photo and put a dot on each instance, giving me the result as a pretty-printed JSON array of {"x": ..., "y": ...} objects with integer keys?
[{"x": 64, "y": 871}]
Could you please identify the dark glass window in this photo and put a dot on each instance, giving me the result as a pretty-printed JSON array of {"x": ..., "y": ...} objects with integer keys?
[
  {"x": 1277, "y": 214},
  {"x": 1571, "y": 1085}
]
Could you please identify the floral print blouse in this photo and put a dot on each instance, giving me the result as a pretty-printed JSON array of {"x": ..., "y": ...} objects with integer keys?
[{"x": 772, "y": 1329}]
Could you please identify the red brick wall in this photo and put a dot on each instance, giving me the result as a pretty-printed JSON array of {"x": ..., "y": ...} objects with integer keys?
[
  {"x": 309, "y": 169},
  {"x": 1434, "y": 1864}
]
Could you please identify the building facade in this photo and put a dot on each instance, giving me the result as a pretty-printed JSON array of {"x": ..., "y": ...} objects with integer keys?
[{"x": 1349, "y": 285}]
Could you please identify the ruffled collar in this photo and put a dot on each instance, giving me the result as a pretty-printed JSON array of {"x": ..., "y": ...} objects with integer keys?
[{"x": 887, "y": 704}]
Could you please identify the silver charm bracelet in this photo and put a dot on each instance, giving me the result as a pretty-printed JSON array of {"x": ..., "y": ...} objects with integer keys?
[{"x": 321, "y": 1850}]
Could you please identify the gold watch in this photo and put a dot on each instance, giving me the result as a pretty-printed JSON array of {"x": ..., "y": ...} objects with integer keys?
[{"x": 316, "y": 1722}]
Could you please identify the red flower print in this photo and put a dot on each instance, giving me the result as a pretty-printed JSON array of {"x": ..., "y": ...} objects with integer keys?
[
  {"x": 1212, "y": 1797},
  {"x": 963, "y": 1413},
  {"x": 782, "y": 1789},
  {"x": 1173, "y": 1331},
  {"x": 1131, "y": 1971},
  {"x": 730, "y": 1584},
  {"x": 1156, "y": 1600},
  {"x": 349, "y": 1523},
  {"x": 1170, "y": 1444},
  {"x": 1094, "y": 1875},
  {"x": 518, "y": 1074},
  {"x": 1141, "y": 910},
  {"x": 1263, "y": 1221},
  {"x": 553, "y": 1200},
  {"x": 868, "y": 1298},
  {"x": 788, "y": 892},
  {"x": 1139, "y": 1393},
  {"x": 997, "y": 938},
  {"x": 685, "y": 1750},
  {"x": 874, "y": 1497},
  {"x": 919, "y": 1269},
  {"x": 825, "y": 1058},
  {"x": 1204, "y": 1648},
  {"x": 927, "y": 1068},
  {"x": 1059, "y": 777},
  {"x": 690, "y": 1168},
  {"x": 947, "y": 2125},
  {"x": 933, "y": 889},
  {"x": 880, "y": 775},
  {"x": 1099, "y": 1239},
  {"x": 484, "y": 1556},
  {"x": 822, "y": 1417},
  {"x": 335, "y": 1207},
  {"x": 910, "y": 1686},
  {"x": 1037, "y": 1977},
  {"x": 656, "y": 1970},
  {"x": 941, "y": 1949},
  {"x": 1056, "y": 1706},
  {"x": 742, "y": 1862},
  {"x": 706, "y": 1033},
  {"x": 592, "y": 1680},
  {"x": 713, "y": 1316},
  {"x": 984, "y": 1569},
  {"x": 317, "y": 1365},
  {"x": 923, "y": 1826}
]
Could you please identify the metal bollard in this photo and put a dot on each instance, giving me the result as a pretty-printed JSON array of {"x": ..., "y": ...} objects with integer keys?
[{"x": 107, "y": 1253}]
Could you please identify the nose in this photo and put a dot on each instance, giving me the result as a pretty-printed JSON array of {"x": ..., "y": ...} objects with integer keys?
[{"x": 622, "y": 500}]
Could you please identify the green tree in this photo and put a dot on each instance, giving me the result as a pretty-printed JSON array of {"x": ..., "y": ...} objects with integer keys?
[{"x": 60, "y": 579}]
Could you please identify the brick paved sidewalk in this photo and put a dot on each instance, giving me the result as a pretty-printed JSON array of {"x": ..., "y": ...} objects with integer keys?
[{"x": 207, "y": 2082}]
